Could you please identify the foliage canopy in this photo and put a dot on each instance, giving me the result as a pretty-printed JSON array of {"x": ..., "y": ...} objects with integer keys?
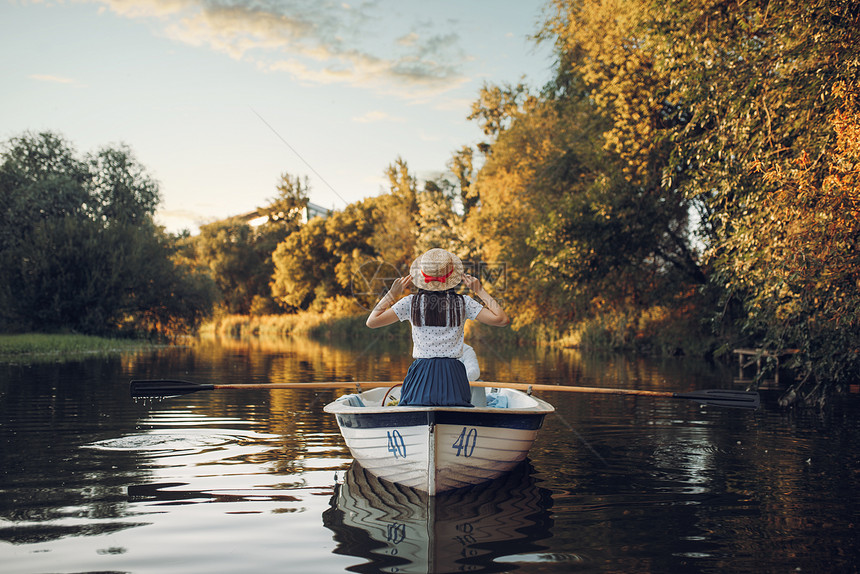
[{"x": 78, "y": 247}]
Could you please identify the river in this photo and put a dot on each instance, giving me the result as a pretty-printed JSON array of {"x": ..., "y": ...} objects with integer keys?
[{"x": 231, "y": 481}]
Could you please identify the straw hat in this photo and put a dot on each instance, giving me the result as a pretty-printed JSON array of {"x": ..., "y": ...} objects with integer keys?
[{"x": 436, "y": 270}]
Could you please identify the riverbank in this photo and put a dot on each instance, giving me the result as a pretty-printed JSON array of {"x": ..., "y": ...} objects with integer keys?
[
  {"x": 657, "y": 331},
  {"x": 39, "y": 347}
]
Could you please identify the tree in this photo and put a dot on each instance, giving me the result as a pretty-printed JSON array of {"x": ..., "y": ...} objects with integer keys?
[
  {"x": 743, "y": 114},
  {"x": 238, "y": 256},
  {"x": 497, "y": 106},
  {"x": 319, "y": 262},
  {"x": 342, "y": 255},
  {"x": 40, "y": 178},
  {"x": 438, "y": 224},
  {"x": 505, "y": 219},
  {"x": 78, "y": 247},
  {"x": 443, "y": 207},
  {"x": 602, "y": 41},
  {"x": 227, "y": 248},
  {"x": 179, "y": 295},
  {"x": 394, "y": 215},
  {"x": 770, "y": 89},
  {"x": 572, "y": 197},
  {"x": 285, "y": 211},
  {"x": 302, "y": 265},
  {"x": 795, "y": 261},
  {"x": 402, "y": 184},
  {"x": 462, "y": 167},
  {"x": 605, "y": 46},
  {"x": 123, "y": 191},
  {"x": 284, "y": 216},
  {"x": 755, "y": 81}
]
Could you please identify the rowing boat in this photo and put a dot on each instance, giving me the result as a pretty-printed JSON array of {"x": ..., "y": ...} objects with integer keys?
[{"x": 438, "y": 449}]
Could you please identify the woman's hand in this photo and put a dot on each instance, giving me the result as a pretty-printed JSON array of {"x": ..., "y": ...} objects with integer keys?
[
  {"x": 399, "y": 286},
  {"x": 472, "y": 283},
  {"x": 492, "y": 313},
  {"x": 382, "y": 314}
]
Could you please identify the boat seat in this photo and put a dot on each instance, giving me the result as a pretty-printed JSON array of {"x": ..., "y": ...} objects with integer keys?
[
  {"x": 479, "y": 397},
  {"x": 352, "y": 400}
]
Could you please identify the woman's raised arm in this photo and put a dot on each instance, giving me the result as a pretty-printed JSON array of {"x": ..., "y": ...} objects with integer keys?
[
  {"x": 492, "y": 313},
  {"x": 382, "y": 314}
]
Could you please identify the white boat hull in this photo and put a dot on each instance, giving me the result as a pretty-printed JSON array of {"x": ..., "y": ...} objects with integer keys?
[{"x": 437, "y": 449}]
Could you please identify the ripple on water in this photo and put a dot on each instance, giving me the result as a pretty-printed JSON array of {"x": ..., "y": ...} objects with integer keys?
[{"x": 181, "y": 441}]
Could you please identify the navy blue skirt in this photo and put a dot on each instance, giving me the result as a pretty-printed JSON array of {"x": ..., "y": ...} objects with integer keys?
[{"x": 436, "y": 382}]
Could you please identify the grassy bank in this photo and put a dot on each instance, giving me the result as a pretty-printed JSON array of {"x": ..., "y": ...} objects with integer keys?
[{"x": 36, "y": 346}]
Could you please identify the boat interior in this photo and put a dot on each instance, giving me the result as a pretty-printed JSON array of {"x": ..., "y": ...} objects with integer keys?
[{"x": 482, "y": 397}]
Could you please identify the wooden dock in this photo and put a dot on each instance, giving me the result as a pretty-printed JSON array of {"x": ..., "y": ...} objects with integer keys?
[{"x": 748, "y": 357}]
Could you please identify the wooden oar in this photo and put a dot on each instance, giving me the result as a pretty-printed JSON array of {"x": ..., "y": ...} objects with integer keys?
[
  {"x": 711, "y": 397},
  {"x": 172, "y": 388}
]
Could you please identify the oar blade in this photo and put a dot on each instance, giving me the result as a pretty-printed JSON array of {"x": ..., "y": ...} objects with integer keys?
[
  {"x": 165, "y": 388},
  {"x": 724, "y": 398}
]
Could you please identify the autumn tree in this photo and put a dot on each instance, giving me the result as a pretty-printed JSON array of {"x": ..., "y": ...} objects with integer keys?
[
  {"x": 284, "y": 215},
  {"x": 770, "y": 89},
  {"x": 463, "y": 169},
  {"x": 318, "y": 263},
  {"x": 795, "y": 261},
  {"x": 605, "y": 51},
  {"x": 739, "y": 113},
  {"x": 353, "y": 253},
  {"x": 285, "y": 212},
  {"x": 497, "y": 107},
  {"x": 304, "y": 267},
  {"x": 394, "y": 233},
  {"x": 438, "y": 222},
  {"x": 504, "y": 220}
]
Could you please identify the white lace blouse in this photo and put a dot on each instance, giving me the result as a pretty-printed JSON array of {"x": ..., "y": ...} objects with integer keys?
[{"x": 428, "y": 342}]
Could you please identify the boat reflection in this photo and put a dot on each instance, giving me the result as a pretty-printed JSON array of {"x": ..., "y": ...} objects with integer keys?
[{"x": 399, "y": 529}]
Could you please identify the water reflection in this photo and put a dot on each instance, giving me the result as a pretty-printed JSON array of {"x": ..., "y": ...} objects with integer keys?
[
  {"x": 297, "y": 360},
  {"x": 242, "y": 480},
  {"x": 174, "y": 493},
  {"x": 398, "y": 529}
]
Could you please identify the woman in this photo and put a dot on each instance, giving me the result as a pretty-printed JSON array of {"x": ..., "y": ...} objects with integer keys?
[{"x": 438, "y": 315}]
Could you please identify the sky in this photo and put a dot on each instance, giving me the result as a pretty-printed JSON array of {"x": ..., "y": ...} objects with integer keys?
[{"x": 218, "y": 99}]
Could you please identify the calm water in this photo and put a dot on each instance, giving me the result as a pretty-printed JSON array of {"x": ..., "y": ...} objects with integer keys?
[{"x": 239, "y": 481}]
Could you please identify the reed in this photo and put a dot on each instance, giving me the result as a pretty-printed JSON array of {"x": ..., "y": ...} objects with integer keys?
[
  {"x": 341, "y": 319},
  {"x": 656, "y": 330}
]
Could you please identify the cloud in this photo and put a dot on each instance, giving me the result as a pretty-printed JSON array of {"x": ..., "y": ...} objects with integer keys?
[
  {"x": 376, "y": 116},
  {"x": 319, "y": 42},
  {"x": 52, "y": 79},
  {"x": 455, "y": 104},
  {"x": 408, "y": 40},
  {"x": 426, "y": 137}
]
